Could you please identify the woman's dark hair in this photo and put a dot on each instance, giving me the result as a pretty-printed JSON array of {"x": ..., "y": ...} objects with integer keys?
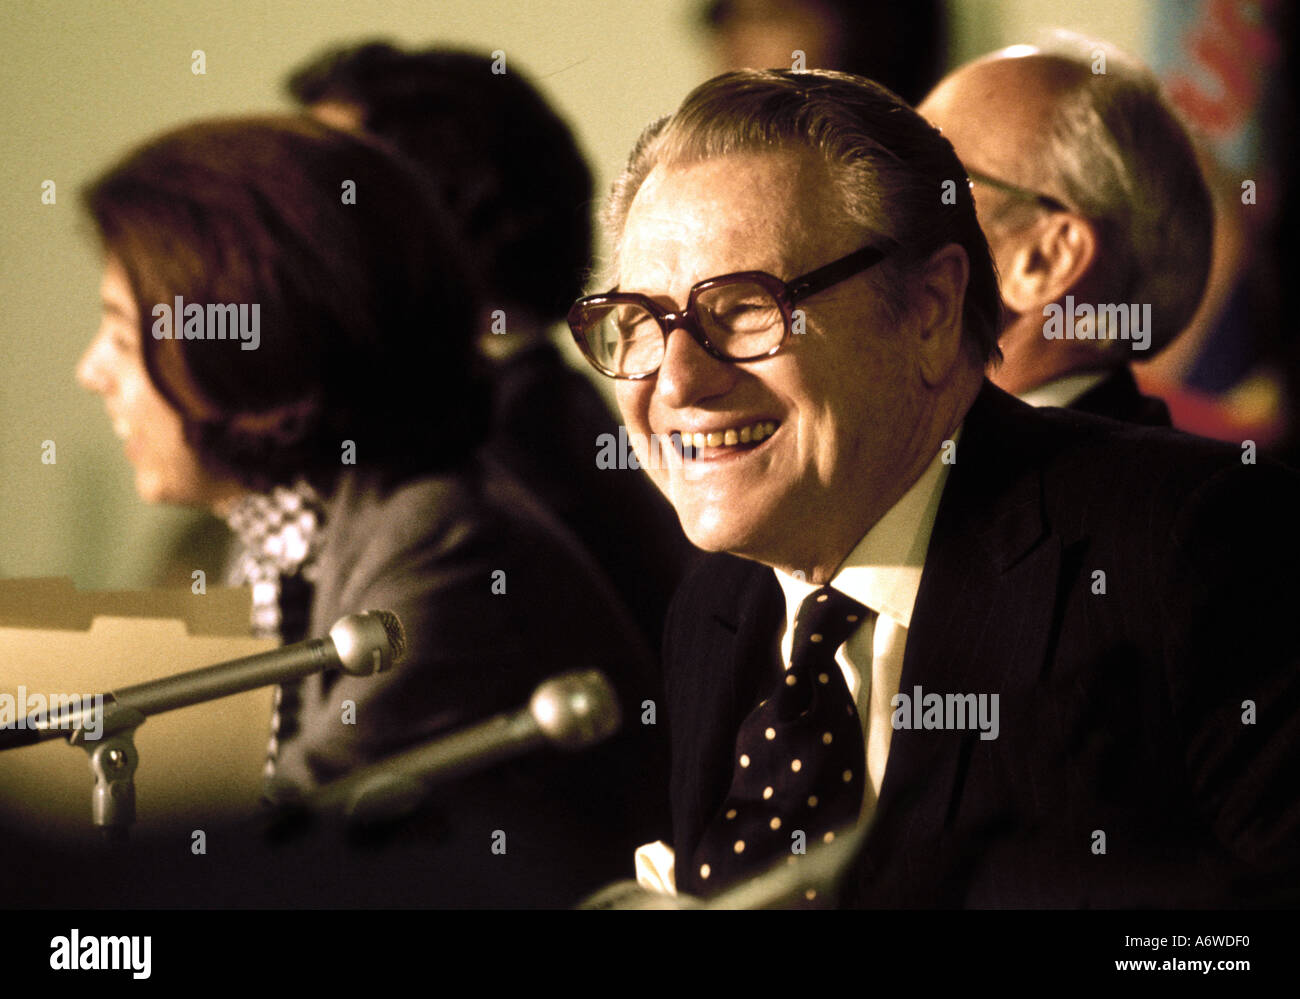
[{"x": 366, "y": 320}]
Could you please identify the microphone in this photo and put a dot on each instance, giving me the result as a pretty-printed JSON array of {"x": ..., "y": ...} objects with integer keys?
[
  {"x": 571, "y": 711},
  {"x": 359, "y": 644}
]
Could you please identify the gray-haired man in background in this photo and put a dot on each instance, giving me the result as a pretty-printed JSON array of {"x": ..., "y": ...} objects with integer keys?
[{"x": 1096, "y": 210}]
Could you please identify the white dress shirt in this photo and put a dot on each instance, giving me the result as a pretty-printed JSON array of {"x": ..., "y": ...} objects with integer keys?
[{"x": 883, "y": 572}]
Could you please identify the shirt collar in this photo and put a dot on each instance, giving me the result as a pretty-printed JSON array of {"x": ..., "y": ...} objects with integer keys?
[{"x": 883, "y": 572}]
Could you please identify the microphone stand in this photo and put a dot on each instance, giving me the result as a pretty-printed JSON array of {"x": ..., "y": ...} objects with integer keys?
[
  {"x": 360, "y": 644},
  {"x": 114, "y": 757},
  {"x": 571, "y": 711},
  {"x": 113, "y": 762}
]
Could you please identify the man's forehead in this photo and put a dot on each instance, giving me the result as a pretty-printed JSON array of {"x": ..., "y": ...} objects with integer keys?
[{"x": 752, "y": 209}]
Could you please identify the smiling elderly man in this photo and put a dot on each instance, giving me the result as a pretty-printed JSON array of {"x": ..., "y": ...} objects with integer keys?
[{"x": 1041, "y": 657}]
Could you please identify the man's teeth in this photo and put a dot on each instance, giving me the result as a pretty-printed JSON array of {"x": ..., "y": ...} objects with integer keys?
[{"x": 751, "y": 434}]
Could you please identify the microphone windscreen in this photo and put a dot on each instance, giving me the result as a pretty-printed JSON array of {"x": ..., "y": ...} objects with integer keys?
[
  {"x": 577, "y": 709},
  {"x": 368, "y": 643},
  {"x": 396, "y": 633}
]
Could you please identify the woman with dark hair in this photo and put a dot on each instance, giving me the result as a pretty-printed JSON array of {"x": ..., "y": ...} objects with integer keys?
[{"x": 288, "y": 340}]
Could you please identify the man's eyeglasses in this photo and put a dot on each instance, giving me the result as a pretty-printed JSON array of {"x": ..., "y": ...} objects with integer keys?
[
  {"x": 1043, "y": 200},
  {"x": 736, "y": 317}
]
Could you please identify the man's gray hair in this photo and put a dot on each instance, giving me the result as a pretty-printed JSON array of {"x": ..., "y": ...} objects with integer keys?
[
  {"x": 1118, "y": 154},
  {"x": 896, "y": 179}
]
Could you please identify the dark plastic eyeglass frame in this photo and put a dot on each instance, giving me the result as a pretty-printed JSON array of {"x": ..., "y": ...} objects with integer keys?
[
  {"x": 1043, "y": 200},
  {"x": 786, "y": 294}
]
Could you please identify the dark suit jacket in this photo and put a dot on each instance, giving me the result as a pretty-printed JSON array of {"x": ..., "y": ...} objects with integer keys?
[
  {"x": 1121, "y": 712},
  {"x": 1118, "y": 397}
]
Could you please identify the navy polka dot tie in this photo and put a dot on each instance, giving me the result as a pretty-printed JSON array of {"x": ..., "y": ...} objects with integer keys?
[{"x": 799, "y": 757}]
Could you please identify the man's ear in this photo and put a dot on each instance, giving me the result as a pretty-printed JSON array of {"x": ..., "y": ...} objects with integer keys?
[
  {"x": 1049, "y": 260},
  {"x": 939, "y": 294}
]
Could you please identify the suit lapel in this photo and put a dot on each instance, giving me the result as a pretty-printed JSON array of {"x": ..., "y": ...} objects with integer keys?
[{"x": 972, "y": 630}]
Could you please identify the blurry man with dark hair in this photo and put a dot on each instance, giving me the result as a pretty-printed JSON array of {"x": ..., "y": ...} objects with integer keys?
[
  {"x": 288, "y": 340},
  {"x": 510, "y": 173},
  {"x": 901, "y": 45}
]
